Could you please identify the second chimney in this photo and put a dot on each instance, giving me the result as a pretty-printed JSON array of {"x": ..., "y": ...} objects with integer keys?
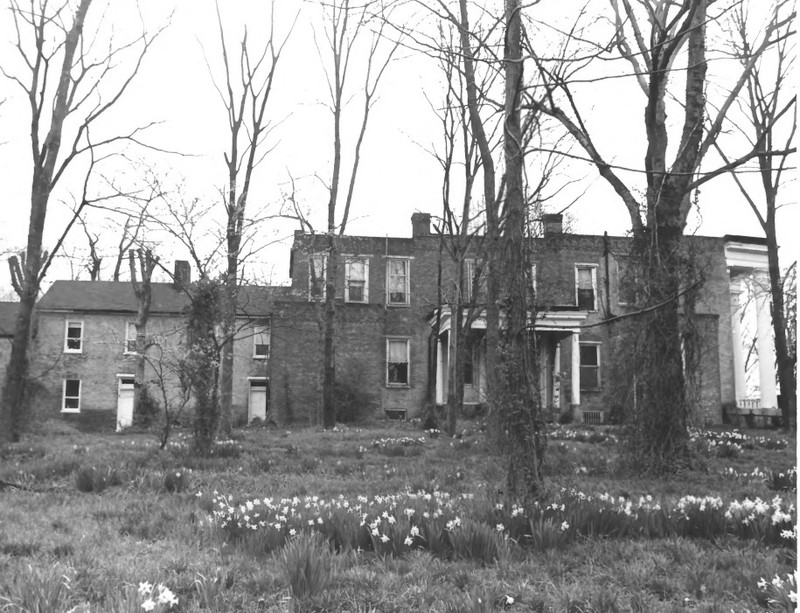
[
  {"x": 552, "y": 223},
  {"x": 183, "y": 274},
  {"x": 420, "y": 224}
]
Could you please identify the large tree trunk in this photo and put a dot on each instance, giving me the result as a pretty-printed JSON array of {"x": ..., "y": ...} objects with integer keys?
[
  {"x": 12, "y": 411},
  {"x": 522, "y": 419}
]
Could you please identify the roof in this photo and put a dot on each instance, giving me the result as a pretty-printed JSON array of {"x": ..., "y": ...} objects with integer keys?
[
  {"x": 8, "y": 316},
  {"x": 118, "y": 296}
]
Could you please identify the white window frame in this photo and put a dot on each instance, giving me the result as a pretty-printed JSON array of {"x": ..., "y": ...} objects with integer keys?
[
  {"x": 407, "y": 341},
  {"x": 407, "y": 288},
  {"x": 533, "y": 280},
  {"x": 472, "y": 264},
  {"x": 64, "y": 408},
  {"x": 67, "y": 324},
  {"x": 129, "y": 326},
  {"x": 598, "y": 367},
  {"x": 258, "y": 333},
  {"x": 593, "y": 269},
  {"x": 323, "y": 292},
  {"x": 347, "y": 262}
]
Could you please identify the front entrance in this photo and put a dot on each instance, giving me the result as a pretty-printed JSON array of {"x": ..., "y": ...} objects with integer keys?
[
  {"x": 125, "y": 401},
  {"x": 258, "y": 400}
]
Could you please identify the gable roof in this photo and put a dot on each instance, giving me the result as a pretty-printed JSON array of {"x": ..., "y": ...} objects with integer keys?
[
  {"x": 118, "y": 297},
  {"x": 8, "y": 317},
  {"x": 114, "y": 296}
]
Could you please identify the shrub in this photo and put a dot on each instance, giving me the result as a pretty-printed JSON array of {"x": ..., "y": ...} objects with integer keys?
[
  {"x": 177, "y": 481},
  {"x": 351, "y": 402},
  {"x": 308, "y": 565},
  {"x": 90, "y": 479}
]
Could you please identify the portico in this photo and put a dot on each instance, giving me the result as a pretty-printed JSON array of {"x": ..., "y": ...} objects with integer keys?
[
  {"x": 551, "y": 327},
  {"x": 747, "y": 263}
]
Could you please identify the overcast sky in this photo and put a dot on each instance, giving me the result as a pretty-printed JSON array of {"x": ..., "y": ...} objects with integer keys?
[{"x": 397, "y": 177}]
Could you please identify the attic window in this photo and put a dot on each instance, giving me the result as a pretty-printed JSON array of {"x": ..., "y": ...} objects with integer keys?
[{"x": 73, "y": 337}]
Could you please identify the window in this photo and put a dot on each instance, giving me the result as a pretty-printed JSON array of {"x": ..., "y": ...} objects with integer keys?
[
  {"x": 356, "y": 280},
  {"x": 72, "y": 396},
  {"x": 130, "y": 337},
  {"x": 261, "y": 339},
  {"x": 475, "y": 278},
  {"x": 317, "y": 265},
  {"x": 397, "y": 281},
  {"x": 590, "y": 366},
  {"x": 73, "y": 338},
  {"x": 586, "y": 287},
  {"x": 533, "y": 280},
  {"x": 397, "y": 362}
]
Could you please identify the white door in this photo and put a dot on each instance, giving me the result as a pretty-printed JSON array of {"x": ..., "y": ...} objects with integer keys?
[
  {"x": 257, "y": 406},
  {"x": 125, "y": 403}
]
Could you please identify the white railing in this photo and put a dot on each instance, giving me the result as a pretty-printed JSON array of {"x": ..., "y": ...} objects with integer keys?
[{"x": 748, "y": 404}]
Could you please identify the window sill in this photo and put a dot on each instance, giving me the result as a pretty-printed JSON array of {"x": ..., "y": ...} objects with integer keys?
[
  {"x": 70, "y": 410},
  {"x": 74, "y": 351},
  {"x": 398, "y": 386},
  {"x": 262, "y": 358},
  {"x": 398, "y": 304},
  {"x": 592, "y": 389}
]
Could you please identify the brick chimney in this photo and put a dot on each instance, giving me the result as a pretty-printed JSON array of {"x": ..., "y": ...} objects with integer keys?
[
  {"x": 183, "y": 273},
  {"x": 552, "y": 223},
  {"x": 420, "y": 224}
]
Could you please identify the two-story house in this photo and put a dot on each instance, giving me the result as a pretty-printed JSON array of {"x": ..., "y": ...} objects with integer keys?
[
  {"x": 84, "y": 348},
  {"x": 393, "y": 329}
]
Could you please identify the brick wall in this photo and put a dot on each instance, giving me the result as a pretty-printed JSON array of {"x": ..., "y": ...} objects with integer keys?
[{"x": 102, "y": 358}]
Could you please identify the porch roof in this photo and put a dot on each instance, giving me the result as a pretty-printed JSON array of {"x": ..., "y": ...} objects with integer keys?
[{"x": 546, "y": 321}]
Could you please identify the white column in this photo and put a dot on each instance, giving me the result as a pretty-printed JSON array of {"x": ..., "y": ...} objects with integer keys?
[
  {"x": 738, "y": 346},
  {"x": 575, "y": 388},
  {"x": 765, "y": 343},
  {"x": 439, "y": 371},
  {"x": 557, "y": 377}
]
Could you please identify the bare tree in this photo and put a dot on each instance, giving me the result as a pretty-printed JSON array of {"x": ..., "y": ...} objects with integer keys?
[
  {"x": 53, "y": 50},
  {"x": 657, "y": 39},
  {"x": 769, "y": 99},
  {"x": 245, "y": 97},
  {"x": 346, "y": 24}
]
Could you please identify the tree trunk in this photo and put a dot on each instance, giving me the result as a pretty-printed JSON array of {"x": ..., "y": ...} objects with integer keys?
[
  {"x": 522, "y": 419},
  {"x": 329, "y": 347},
  {"x": 786, "y": 376}
]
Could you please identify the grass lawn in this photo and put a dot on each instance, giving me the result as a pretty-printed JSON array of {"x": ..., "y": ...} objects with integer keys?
[{"x": 388, "y": 517}]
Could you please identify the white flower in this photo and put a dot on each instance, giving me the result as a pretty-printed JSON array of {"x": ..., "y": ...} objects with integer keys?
[
  {"x": 167, "y": 597},
  {"x": 145, "y": 588},
  {"x": 292, "y": 532},
  {"x": 384, "y": 538},
  {"x": 408, "y": 541},
  {"x": 500, "y": 527},
  {"x": 564, "y": 526},
  {"x": 509, "y": 599},
  {"x": 149, "y": 604}
]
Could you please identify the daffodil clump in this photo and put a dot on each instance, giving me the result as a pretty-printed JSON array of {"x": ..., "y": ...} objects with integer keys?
[{"x": 396, "y": 524}]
